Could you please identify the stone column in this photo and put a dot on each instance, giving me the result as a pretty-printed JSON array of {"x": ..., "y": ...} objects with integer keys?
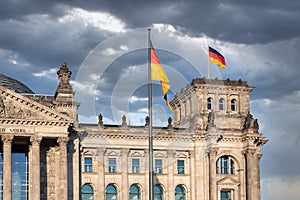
[
  {"x": 35, "y": 167},
  {"x": 63, "y": 185},
  {"x": 212, "y": 174},
  {"x": 7, "y": 184}
]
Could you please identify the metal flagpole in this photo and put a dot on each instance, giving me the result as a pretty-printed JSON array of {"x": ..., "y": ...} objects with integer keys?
[
  {"x": 150, "y": 119},
  {"x": 208, "y": 64}
]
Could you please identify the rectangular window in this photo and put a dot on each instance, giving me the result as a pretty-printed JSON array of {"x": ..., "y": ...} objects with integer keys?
[
  {"x": 180, "y": 166},
  {"x": 158, "y": 166},
  {"x": 135, "y": 163},
  {"x": 88, "y": 164},
  {"x": 225, "y": 195},
  {"x": 224, "y": 165},
  {"x": 20, "y": 174},
  {"x": 112, "y": 165}
]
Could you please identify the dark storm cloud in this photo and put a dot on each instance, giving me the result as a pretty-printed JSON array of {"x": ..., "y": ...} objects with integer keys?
[
  {"x": 33, "y": 33},
  {"x": 17, "y": 9},
  {"x": 232, "y": 20}
]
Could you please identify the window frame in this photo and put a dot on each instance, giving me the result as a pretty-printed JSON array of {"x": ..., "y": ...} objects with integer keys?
[
  {"x": 112, "y": 167},
  {"x": 135, "y": 168},
  {"x": 88, "y": 167},
  {"x": 226, "y": 191},
  {"x": 209, "y": 103},
  {"x": 225, "y": 165},
  {"x": 115, "y": 192},
  {"x": 180, "y": 168},
  {"x": 221, "y": 103},
  {"x": 158, "y": 168},
  {"x": 134, "y": 194},
  {"x": 233, "y": 106},
  {"x": 159, "y": 194},
  {"x": 181, "y": 193},
  {"x": 87, "y": 193}
]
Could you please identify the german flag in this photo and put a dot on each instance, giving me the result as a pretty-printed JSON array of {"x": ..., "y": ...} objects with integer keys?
[
  {"x": 158, "y": 73},
  {"x": 216, "y": 58}
]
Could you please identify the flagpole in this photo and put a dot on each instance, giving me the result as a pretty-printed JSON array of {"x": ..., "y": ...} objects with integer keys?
[
  {"x": 150, "y": 120},
  {"x": 208, "y": 63}
]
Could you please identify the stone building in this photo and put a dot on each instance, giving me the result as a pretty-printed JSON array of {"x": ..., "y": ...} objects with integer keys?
[{"x": 211, "y": 150}]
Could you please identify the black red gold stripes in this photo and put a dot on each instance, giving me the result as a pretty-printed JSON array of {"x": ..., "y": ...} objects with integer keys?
[{"x": 216, "y": 58}]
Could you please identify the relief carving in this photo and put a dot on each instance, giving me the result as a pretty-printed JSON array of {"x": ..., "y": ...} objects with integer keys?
[
  {"x": 9, "y": 110},
  {"x": 2, "y": 108}
]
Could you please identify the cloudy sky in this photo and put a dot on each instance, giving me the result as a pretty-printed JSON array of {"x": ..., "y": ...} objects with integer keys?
[{"x": 104, "y": 44}]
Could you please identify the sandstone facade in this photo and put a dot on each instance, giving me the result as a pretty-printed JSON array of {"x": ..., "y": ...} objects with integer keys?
[{"x": 211, "y": 150}]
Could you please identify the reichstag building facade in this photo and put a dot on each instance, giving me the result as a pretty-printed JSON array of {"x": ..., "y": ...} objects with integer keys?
[{"x": 210, "y": 149}]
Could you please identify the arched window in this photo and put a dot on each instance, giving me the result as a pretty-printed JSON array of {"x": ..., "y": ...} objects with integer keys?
[
  {"x": 158, "y": 192},
  {"x": 87, "y": 192},
  {"x": 180, "y": 193},
  {"x": 134, "y": 192},
  {"x": 111, "y": 192},
  {"x": 233, "y": 104},
  {"x": 221, "y": 104},
  {"x": 225, "y": 165},
  {"x": 209, "y": 105}
]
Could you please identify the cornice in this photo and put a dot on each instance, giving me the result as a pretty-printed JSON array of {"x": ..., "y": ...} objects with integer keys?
[
  {"x": 9, "y": 121},
  {"x": 141, "y": 137}
]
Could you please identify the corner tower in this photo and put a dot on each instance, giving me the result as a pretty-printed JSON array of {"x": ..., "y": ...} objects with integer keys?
[
  {"x": 227, "y": 141},
  {"x": 225, "y": 102}
]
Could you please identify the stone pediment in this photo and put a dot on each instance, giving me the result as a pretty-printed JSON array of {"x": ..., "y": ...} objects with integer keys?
[
  {"x": 18, "y": 109},
  {"x": 228, "y": 181},
  {"x": 112, "y": 153},
  {"x": 160, "y": 155},
  {"x": 181, "y": 155},
  {"x": 136, "y": 154}
]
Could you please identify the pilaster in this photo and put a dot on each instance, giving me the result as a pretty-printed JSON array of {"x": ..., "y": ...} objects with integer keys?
[
  {"x": 252, "y": 175},
  {"x": 192, "y": 175},
  {"x": 101, "y": 173},
  {"x": 124, "y": 187},
  {"x": 63, "y": 168},
  {"x": 170, "y": 194},
  {"x": 212, "y": 174}
]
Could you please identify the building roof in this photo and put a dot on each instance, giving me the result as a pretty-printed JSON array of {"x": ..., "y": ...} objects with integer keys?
[{"x": 14, "y": 84}]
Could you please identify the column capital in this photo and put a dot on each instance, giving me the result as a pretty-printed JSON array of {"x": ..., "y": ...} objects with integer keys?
[
  {"x": 213, "y": 151},
  {"x": 191, "y": 153},
  {"x": 7, "y": 138},
  {"x": 36, "y": 140},
  {"x": 251, "y": 152},
  {"x": 62, "y": 141},
  {"x": 125, "y": 151},
  {"x": 171, "y": 153},
  {"x": 100, "y": 151}
]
